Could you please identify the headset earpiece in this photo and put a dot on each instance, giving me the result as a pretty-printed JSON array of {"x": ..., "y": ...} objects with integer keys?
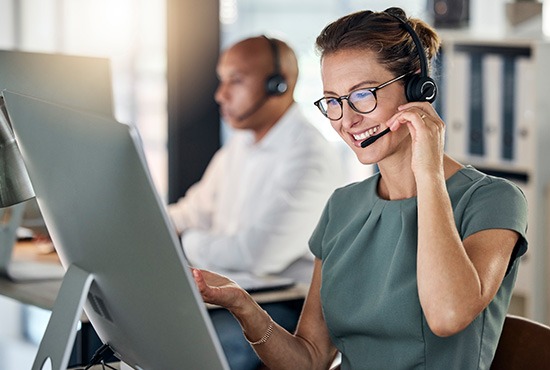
[
  {"x": 275, "y": 83},
  {"x": 420, "y": 86}
]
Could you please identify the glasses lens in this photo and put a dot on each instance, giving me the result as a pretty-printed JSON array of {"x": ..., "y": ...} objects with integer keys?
[
  {"x": 330, "y": 108},
  {"x": 363, "y": 100}
]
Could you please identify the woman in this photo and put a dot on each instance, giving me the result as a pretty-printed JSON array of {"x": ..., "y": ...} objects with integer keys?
[{"x": 415, "y": 265}]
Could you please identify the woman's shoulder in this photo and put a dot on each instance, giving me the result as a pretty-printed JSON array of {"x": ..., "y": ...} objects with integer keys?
[
  {"x": 487, "y": 199},
  {"x": 470, "y": 180}
]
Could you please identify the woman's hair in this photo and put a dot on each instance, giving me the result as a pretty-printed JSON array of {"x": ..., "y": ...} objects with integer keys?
[{"x": 383, "y": 34}]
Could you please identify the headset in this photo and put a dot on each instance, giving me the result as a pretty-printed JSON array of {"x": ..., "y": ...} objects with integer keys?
[
  {"x": 275, "y": 83},
  {"x": 420, "y": 86}
]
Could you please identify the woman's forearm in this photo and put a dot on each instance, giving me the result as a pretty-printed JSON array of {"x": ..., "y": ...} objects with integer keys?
[
  {"x": 276, "y": 347},
  {"x": 448, "y": 283}
]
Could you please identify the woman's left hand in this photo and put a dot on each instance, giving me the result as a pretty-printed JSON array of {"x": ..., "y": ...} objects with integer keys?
[{"x": 427, "y": 133}]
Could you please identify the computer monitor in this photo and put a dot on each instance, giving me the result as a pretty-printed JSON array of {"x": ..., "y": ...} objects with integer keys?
[
  {"x": 113, "y": 235},
  {"x": 79, "y": 81},
  {"x": 82, "y": 82}
]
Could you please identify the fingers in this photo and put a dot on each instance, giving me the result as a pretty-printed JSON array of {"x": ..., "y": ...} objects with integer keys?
[
  {"x": 427, "y": 132},
  {"x": 199, "y": 280},
  {"x": 411, "y": 117},
  {"x": 416, "y": 116},
  {"x": 207, "y": 292}
]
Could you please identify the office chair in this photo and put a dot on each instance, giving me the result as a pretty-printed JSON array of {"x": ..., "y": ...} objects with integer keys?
[{"x": 523, "y": 344}]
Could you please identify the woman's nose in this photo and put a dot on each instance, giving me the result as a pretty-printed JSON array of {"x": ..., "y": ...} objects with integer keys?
[{"x": 349, "y": 116}]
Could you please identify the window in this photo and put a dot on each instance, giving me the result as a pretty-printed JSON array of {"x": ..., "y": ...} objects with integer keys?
[{"x": 130, "y": 33}]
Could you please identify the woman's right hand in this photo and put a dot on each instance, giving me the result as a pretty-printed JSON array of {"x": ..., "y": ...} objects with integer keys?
[{"x": 219, "y": 290}]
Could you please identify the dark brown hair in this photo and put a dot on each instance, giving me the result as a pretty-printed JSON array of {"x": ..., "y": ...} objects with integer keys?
[{"x": 381, "y": 33}]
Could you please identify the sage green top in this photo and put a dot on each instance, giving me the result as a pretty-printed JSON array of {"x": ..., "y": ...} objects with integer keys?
[{"x": 369, "y": 290}]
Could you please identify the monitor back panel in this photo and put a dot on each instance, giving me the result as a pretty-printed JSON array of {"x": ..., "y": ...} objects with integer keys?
[
  {"x": 104, "y": 215},
  {"x": 78, "y": 81}
]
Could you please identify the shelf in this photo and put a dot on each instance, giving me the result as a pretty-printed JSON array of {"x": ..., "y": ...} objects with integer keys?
[{"x": 495, "y": 101}]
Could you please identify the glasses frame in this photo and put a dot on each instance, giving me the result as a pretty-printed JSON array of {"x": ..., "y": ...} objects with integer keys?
[{"x": 339, "y": 99}]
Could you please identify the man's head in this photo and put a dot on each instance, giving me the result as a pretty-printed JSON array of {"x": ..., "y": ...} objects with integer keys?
[{"x": 245, "y": 70}]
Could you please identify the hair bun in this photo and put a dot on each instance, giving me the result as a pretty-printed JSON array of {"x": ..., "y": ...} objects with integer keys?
[{"x": 397, "y": 12}]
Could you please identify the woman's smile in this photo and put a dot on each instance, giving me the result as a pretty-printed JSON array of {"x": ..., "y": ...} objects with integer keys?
[{"x": 366, "y": 134}]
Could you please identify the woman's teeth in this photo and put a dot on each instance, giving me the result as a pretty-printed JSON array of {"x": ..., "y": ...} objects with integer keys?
[{"x": 366, "y": 134}]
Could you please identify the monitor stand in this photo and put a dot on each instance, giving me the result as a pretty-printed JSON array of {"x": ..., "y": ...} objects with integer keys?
[
  {"x": 21, "y": 271},
  {"x": 60, "y": 334}
]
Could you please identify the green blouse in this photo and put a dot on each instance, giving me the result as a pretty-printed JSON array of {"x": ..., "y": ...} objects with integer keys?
[{"x": 369, "y": 293}]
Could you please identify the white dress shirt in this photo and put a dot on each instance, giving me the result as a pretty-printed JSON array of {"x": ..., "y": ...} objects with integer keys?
[{"x": 257, "y": 203}]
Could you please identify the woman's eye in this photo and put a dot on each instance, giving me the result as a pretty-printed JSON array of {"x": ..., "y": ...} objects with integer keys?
[
  {"x": 362, "y": 94},
  {"x": 331, "y": 102}
]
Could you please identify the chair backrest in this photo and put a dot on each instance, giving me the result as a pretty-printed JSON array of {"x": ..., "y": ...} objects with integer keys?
[{"x": 523, "y": 344}]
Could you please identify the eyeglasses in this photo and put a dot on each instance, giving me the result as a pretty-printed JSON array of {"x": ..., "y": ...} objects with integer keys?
[{"x": 361, "y": 100}]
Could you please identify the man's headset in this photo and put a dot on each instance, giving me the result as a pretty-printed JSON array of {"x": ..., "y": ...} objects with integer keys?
[
  {"x": 420, "y": 86},
  {"x": 275, "y": 83}
]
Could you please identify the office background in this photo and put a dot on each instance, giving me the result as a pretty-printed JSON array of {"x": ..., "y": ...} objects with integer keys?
[{"x": 163, "y": 55}]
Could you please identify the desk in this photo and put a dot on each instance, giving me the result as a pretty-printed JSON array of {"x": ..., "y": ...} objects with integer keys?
[
  {"x": 43, "y": 294},
  {"x": 35, "y": 293}
]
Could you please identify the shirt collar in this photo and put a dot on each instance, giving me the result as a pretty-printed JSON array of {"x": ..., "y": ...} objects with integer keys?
[{"x": 282, "y": 130}]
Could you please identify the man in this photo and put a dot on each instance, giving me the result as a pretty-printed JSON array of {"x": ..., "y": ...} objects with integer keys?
[{"x": 263, "y": 192}]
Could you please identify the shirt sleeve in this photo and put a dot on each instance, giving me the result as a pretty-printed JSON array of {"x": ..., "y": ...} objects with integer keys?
[
  {"x": 498, "y": 204},
  {"x": 316, "y": 240},
  {"x": 194, "y": 210},
  {"x": 285, "y": 218}
]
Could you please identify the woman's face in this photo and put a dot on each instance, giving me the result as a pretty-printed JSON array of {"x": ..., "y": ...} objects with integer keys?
[{"x": 348, "y": 70}]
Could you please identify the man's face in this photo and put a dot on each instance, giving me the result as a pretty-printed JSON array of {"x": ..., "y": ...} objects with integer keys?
[{"x": 242, "y": 73}]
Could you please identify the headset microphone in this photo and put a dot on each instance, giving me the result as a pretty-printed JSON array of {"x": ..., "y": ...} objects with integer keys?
[
  {"x": 420, "y": 86},
  {"x": 253, "y": 109},
  {"x": 373, "y": 138}
]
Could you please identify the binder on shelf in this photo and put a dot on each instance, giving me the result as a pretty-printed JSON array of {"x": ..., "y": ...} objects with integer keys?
[
  {"x": 438, "y": 65},
  {"x": 508, "y": 107},
  {"x": 492, "y": 113},
  {"x": 525, "y": 112},
  {"x": 476, "y": 144},
  {"x": 457, "y": 104}
]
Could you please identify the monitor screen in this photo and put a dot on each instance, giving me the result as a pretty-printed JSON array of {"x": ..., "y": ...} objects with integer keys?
[{"x": 108, "y": 223}]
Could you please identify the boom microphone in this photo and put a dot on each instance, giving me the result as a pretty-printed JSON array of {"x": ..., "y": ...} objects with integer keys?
[
  {"x": 253, "y": 109},
  {"x": 373, "y": 138}
]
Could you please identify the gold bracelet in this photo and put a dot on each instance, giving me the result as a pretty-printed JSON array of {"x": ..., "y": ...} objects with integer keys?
[{"x": 265, "y": 337}]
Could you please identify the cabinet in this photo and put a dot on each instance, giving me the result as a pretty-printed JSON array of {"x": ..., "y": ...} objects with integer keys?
[{"x": 495, "y": 100}]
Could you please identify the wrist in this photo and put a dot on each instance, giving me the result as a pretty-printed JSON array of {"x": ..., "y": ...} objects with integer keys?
[
  {"x": 265, "y": 337},
  {"x": 244, "y": 307},
  {"x": 429, "y": 178}
]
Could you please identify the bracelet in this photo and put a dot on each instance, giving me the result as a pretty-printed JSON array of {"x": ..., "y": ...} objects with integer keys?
[{"x": 265, "y": 337}]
